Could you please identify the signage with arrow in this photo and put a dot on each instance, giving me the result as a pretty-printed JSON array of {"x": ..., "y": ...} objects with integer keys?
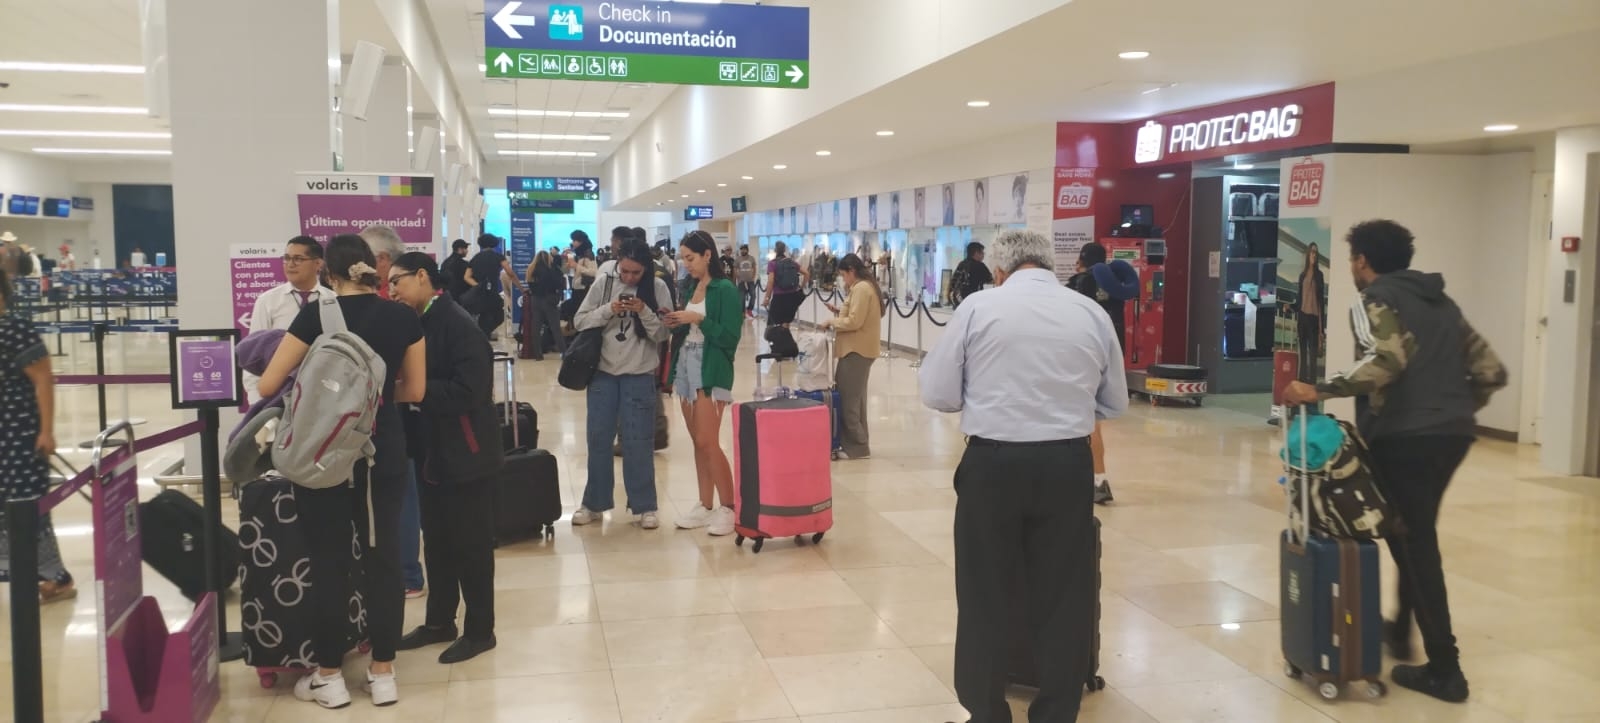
[
  {"x": 756, "y": 46},
  {"x": 554, "y": 188}
]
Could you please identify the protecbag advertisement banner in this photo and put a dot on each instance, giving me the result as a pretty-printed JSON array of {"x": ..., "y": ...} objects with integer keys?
[{"x": 1073, "y": 224}]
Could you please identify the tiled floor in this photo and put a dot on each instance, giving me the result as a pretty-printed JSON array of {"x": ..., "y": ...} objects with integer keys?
[{"x": 613, "y": 623}]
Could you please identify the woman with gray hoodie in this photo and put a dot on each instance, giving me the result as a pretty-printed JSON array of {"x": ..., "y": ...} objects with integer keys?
[{"x": 628, "y": 303}]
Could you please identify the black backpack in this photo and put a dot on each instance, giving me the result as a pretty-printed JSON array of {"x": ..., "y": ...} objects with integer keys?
[{"x": 786, "y": 275}]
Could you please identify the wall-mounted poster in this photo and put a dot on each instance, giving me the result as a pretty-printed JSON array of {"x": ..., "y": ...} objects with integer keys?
[
  {"x": 966, "y": 195},
  {"x": 885, "y": 207},
  {"x": 980, "y": 202},
  {"x": 908, "y": 217},
  {"x": 946, "y": 206},
  {"x": 815, "y": 217},
  {"x": 855, "y": 214},
  {"x": 1009, "y": 199},
  {"x": 872, "y": 212},
  {"x": 894, "y": 210},
  {"x": 919, "y": 207}
]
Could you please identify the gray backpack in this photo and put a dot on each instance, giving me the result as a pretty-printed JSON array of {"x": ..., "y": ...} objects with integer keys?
[{"x": 329, "y": 413}]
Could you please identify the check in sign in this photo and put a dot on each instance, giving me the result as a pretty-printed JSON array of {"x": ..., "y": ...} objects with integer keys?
[{"x": 757, "y": 46}]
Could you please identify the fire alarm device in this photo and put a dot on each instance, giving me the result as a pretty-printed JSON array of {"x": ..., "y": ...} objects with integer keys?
[{"x": 1569, "y": 244}]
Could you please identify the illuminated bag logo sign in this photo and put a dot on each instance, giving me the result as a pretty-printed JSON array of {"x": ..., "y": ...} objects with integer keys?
[
  {"x": 1148, "y": 145},
  {"x": 1305, "y": 183},
  {"x": 1075, "y": 197}
]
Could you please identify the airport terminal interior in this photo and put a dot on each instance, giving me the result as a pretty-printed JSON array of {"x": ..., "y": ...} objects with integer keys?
[{"x": 1219, "y": 153}]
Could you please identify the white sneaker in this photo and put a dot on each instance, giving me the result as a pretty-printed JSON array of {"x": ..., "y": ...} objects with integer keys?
[
  {"x": 649, "y": 521},
  {"x": 585, "y": 516},
  {"x": 695, "y": 519},
  {"x": 385, "y": 688},
  {"x": 721, "y": 522},
  {"x": 326, "y": 692}
]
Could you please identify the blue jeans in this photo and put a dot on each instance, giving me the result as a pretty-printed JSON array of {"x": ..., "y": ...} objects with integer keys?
[
  {"x": 627, "y": 403},
  {"x": 410, "y": 531}
]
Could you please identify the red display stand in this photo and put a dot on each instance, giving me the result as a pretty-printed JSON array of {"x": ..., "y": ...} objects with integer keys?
[{"x": 1145, "y": 317}]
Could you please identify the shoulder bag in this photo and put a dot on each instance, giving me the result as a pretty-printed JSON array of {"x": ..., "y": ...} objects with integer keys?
[{"x": 582, "y": 359}]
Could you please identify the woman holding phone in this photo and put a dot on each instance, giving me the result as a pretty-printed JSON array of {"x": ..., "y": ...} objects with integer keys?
[
  {"x": 856, "y": 347},
  {"x": 705, "y": 337},
  {"x": 628, "y": 304}
]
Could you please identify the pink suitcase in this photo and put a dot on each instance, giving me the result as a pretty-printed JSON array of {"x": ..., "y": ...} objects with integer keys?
[{"x": 783, "y": 482}]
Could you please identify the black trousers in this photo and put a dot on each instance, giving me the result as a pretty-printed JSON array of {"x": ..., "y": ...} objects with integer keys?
[
  {"x": 1310, "y": 333},
  {"x": 458, "y": 547},
  {"x": 748, "y": 289},
  {"x": 1415, "y": 472},
  {"x": 327, "y": 517},
  {"x": 1024, "y": 510}
]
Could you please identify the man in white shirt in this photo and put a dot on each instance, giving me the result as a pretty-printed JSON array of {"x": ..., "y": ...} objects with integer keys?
[
  {"x": 1030, "y": 365},
  {"x": 277, "y": 307}
]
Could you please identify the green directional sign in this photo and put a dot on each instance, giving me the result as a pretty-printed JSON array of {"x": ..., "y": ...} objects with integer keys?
[{"x": 632, "y": 68}]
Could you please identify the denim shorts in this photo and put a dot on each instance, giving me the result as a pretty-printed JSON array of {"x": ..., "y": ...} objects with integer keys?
[{"x": 687, "y": 379}]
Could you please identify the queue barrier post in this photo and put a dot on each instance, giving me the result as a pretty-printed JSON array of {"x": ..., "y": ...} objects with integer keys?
[
  {"x": 27, "y": 664},
  {"x": 917, "y": 363}
]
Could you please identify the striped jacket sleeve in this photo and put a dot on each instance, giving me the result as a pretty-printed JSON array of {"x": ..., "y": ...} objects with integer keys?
[{"x": 1383, "y": 347}]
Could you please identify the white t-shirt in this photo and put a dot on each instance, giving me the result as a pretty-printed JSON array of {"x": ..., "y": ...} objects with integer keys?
[{"x": 695, "y": 335}]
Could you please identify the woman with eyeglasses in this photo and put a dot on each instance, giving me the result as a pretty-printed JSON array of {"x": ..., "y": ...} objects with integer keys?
[
  {"x": 328, "y": 516},
  {"x": 706, "y": 336},
  {"x": 458, "y": 458},
  {"x": 627, "y": 305}
]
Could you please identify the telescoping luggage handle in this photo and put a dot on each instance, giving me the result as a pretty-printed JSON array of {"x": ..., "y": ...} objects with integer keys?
[
  {"x": 1300, "y": 474},
  {"x": 509, "y": 409}
]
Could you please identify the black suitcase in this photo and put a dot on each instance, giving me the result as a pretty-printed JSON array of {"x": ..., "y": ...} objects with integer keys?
[
  {"x": 274, "y": 605},
  {"x": 1023, "y": 672},
  {"x": 527, "y": 496},
  {"x": 173, "y": 542},
  {"x": 525, "y": 431}
]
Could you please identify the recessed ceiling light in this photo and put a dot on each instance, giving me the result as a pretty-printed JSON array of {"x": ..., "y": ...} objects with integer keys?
[
  {"x": 1500, "y": 128},
  {"x": 71, "y": 67},
  {"x": 504, "y": 136},
  {"x": 779, "y": 167},
  {"x": 87, "y": 134},
  {"x": 103, "y": 109},
  {"x": 1134, "y": 54},
  {"x": 1166, "y": 175},
  {"x": 634, "y": 86},
  {"x": 701, "y": 191},
  {"x": 885, "y": 134},
  {"x": 564, "y": 154},
  {"x": 685, "y": 195},
  {"x": 722, "y": 185},
  {"x": 483, "y": 68},
  {"x": 106, "y": 151},
  {"x": 1243, "y": 166},
  {"x": 747, "y": 178},
  {"x": 556, "y": 113},
  {"x": 824, "y": 153},
  {"x": 977, "y": 104}
]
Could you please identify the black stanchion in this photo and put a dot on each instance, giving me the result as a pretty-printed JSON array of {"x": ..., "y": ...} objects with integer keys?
[
  {"x": 59, "y": 350},
  {"x": 101, "y": 331},
  {"x": 27, "y": 668},
  {"x": 230, "y": 646}
]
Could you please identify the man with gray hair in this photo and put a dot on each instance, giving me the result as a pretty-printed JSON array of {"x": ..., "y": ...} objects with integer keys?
[
  {"x": 1030, "y": 365},
  {"x": 386, "y": 246}
]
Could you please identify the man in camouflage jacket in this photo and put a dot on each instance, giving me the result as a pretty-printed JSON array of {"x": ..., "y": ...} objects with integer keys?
[{"x": 1421, "y": 375}]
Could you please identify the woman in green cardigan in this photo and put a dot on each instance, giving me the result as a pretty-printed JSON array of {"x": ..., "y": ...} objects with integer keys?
[{"x": 705, "y": 335}]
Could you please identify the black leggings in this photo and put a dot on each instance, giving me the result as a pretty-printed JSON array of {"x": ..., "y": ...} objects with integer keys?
[
  {"x": 327, "y": 517},
  {"x": 784, "y": 307}
]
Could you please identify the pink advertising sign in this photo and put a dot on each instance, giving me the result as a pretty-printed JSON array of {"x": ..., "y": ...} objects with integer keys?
[
  {"x": 254, "y": 269},
  {"x": 333, "y": 204}
]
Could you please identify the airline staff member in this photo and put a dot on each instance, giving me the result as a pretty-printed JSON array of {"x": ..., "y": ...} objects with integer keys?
[
  {"x": 1025, "y": 485},
  {"x": 277, "y": 307}
]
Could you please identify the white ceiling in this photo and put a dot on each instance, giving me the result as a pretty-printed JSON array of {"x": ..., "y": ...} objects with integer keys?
[{"x": 1064, "y": 66}]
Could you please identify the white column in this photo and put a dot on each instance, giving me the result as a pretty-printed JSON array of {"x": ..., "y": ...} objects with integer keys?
[
  {"x": 379, "y": 144},
  {"x": 1567, "y": 431},
  {"x": 252, "y": 89}
]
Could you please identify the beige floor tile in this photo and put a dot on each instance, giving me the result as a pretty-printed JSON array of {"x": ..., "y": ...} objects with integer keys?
[
  {"x": 521, "y": 573},
  {"x": 679, "y": 641},
  {"x": 538, "y": 651},
  {"x": 921, "y": 583},
  {"x": 846, "y": 682},
  {"x": 1209, "y": 603},
  {"x": 1525, "y": 685},
  {"x": 672, "y": 563},
  {"x": 817, "y": 631},
  {"x": 418, "y": 704},
  {"x": 662, "y": 599},
  {"x": 546, "y": 606},
  {"x": 777, "y": 557},
  {"x": 920, "y": 624},
  {"x": 571, "y": 698},
  {"x": 1222, "y": 701},
  {"x": 941, "y": 659},
  {"x": 918, "y": 714},
  {"x": 885, "y": 550},
  {"x": 700, "y": 693},
  {"x": 789, "y": 592}
]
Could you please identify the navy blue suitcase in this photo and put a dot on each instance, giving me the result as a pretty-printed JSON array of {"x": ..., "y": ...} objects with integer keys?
[
  {"x": 1328, "y": 599},
  {"x": 830, "y": 397}
]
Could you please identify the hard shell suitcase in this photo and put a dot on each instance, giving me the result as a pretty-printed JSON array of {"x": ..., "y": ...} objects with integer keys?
[
  {"x": 274, "y": 605},
  {"x": 1243, "y": 204},
  {"x": 528, "y": 485},
  {"x": 173, "y": 542},
  {"x": 1023, "y": 671},
  {"x": 1331, "y": 616},
  {"x": 783, "y": 481},
  {"x": 524, "y": 430}
]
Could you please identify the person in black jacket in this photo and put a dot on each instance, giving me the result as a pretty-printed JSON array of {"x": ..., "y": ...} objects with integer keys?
[
  {"x": 545, "y": 284},
  {"x": 461, "y": 454},
  {"x": 455, "y": 269},
  {"x": 971, "y": 275}
]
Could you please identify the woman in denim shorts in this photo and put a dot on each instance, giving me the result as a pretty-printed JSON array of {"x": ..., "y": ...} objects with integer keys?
[{"x": 705, "y": 335}]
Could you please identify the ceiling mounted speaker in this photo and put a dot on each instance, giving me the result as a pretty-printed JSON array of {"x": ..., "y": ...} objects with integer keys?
[
  {"x": 454, "y": 179},
  {"x": 425, "y": 150},
  {"x": 362, "y": 79},
  {"x": 153, "y": 39},
  {"x": 478, "y": 205}
]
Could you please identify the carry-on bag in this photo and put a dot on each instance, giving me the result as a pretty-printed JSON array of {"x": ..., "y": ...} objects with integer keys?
[
  {"x": 173, "y": 542},
  {"x": 275, "y": 606},
  {"x": 528, "y": 485},
  {"x": 1328, "y": 594},
  {"x": 783, "y": 481},
  {"x": 1346, "y": 497},
  {"x": 1023, "y": 672},
  {"x": 828, "y": 395}
]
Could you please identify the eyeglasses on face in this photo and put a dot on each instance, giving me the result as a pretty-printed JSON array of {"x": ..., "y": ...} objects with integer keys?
[
  {"x": 296, "y": 260},
  {"x": 395, "y": 278}
]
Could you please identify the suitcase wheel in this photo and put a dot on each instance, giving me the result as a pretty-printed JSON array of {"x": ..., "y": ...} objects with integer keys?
[
  {"x": 1328, "y": 691},
  {"x": 268, "y": 678},
  {"x": 1096, "y": 684},
  {"x": 816, "y": 538},
  {"x": 550, "y": 532},
  {"x": 1290, "y": 670},
  {"x": 1376, "y": 689}
]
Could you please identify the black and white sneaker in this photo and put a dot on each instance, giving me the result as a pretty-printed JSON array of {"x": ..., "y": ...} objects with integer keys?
[
  {"x": 329, "y": 693},
  {"x": 1102, "y": 493}
]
